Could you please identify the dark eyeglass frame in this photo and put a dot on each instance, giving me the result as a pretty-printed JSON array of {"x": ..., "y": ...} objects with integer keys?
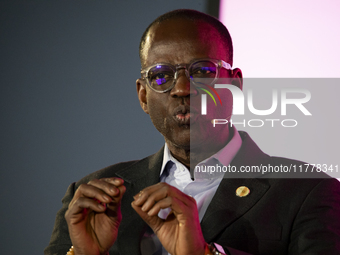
[{"x": 218, "y": 64}]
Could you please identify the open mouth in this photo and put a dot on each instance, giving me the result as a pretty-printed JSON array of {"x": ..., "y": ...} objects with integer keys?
[{"x": 183, "y": 115}]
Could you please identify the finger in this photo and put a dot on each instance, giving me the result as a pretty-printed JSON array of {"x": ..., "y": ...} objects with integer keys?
[
  {"x": 87, "y": 203},
  {"x": 148, "y": 197},
  {"x": 115, "y": 203},
  {"x": 177, "y": 207},
  {"x": 113, "y": 208},
  {"x": 114, "y": 180},
  {"x": 153, "y": 221},
  {"x": 78, "y": 207},
  {"x": 162, "y": 204},
  {"x": 143, "y": 193},
  {"x": 153, "y": 188},
  {"x": 89, "y": 191},
  {"x": 157, "y": 191},
  {"x": 81, "y": 207},
  {"x": 107, "y": 186},
  {"x": 187, "y": 217}
]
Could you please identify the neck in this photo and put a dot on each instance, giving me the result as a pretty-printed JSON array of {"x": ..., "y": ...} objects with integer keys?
[{"x": 190, "y": 156}]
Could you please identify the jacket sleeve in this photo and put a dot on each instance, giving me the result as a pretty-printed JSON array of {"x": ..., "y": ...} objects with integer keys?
[
  {"x": 60, "y": 241},
  {"x": 316, "y": 229}
]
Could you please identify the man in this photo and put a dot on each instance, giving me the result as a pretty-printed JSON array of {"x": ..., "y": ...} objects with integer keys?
[{"x": 160, "y": 203}]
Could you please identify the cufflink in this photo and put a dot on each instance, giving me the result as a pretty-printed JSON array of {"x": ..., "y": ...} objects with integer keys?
[{"x": 242, "y": 191}]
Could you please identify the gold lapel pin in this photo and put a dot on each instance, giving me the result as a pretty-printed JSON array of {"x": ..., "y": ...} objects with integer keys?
[{"x": 242, "y": 191}]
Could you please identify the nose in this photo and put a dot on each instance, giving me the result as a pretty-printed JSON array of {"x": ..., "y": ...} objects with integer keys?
[{"x": 182, "y": 86}]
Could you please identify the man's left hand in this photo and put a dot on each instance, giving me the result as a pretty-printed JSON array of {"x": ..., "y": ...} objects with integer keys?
[{"x": 180, "y": 233}]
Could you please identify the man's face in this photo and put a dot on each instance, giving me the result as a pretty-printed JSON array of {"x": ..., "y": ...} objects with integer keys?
[{"x": 177, "y": 114}]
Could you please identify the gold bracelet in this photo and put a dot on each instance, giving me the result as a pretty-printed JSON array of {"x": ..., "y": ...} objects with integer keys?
[{"x": 71, "y": 251}]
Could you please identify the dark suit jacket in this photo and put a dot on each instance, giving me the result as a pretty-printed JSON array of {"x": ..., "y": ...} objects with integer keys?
[{"x": 279, "y": 216}]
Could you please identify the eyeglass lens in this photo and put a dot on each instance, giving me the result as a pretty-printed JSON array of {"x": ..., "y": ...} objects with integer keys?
[{"x": 161, "y": 77}]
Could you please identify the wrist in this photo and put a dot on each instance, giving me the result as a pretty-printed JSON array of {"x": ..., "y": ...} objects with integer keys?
[
  {"x": 71, "y": 252},
  {"x": 210, "y": 249}
]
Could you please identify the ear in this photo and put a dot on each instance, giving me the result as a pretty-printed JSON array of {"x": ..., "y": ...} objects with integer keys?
[
  {"x": 237, "y": 78},
  {"x": 141, "y": 92}
]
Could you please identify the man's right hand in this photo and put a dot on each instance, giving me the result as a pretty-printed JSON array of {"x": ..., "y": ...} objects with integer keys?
[{"x": 93, "y": 216}]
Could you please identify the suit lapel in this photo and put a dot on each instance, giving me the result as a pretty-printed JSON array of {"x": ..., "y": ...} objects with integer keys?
[
  {"x": 225, "y": 206},
  {"x": 223, "y": 210},
  {"x": 138, "y": 176}
]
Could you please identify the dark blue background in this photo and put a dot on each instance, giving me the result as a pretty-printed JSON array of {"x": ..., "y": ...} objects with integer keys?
[{"x": 68, "y": 103}]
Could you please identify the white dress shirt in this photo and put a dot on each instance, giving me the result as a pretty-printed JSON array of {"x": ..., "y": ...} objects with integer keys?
[
  {"x": 202, "y": 187},
  {"x": 205, "y": 184}
]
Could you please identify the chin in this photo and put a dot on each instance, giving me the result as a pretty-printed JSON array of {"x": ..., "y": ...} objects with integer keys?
[{"x": 182, "y": 142}]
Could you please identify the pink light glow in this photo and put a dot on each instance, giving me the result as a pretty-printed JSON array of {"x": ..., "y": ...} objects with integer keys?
[
  {"x": 292, "y": 39},
  {"x": 284, "y": 38}
]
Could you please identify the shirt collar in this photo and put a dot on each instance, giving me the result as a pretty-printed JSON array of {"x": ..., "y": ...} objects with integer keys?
[{"x": 223, "y": 156}]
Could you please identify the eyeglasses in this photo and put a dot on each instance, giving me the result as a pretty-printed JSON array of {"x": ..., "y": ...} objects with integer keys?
[{"x": 162, "y": 77}]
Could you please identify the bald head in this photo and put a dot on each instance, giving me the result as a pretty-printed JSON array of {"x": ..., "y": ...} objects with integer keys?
[{"x": 206, "y": 28}]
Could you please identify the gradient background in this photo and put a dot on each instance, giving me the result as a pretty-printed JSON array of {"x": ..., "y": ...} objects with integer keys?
[
  {"x": 68, "y": 101},
  {"x": 291, "y": 39}
]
